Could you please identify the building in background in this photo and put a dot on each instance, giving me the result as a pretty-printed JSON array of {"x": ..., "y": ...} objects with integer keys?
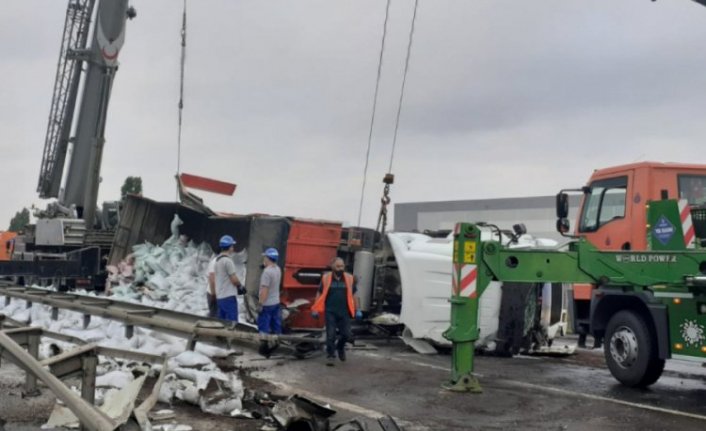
[{"x": 538, "y": 213}]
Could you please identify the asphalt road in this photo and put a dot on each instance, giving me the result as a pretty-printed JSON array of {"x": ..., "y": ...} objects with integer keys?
[
  {"x": 528, "y": 393},
  {"x": 569, "y": 393}
]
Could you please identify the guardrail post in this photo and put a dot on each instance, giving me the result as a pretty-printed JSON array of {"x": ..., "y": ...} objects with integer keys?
[
  {"x": 86, "y": 320},
  {"x": 88, "y": 378},
  {"x": 31, "y": 380},
  {"x": 54, "y": 313},
  {"x": 191, "y": 343}
]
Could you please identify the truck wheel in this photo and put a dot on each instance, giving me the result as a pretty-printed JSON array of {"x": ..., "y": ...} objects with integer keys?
[{"x": 631, "y": 350}]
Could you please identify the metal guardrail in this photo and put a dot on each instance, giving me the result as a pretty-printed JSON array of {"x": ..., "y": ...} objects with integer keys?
[
  {"x": 81, "y": 361},
  {"x": 193, "y": 328},
  {"x": 87, "y": 413}
]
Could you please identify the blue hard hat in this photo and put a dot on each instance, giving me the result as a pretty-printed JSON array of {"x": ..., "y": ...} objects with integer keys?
[
  {"x": 271, "y": 253},
  {"x": 226, "y": 241}
]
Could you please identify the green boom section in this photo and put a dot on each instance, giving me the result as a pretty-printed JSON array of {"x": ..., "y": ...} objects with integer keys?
[
  {"x": 669, "y": 274},
  {"x": 583, "y": 263}
]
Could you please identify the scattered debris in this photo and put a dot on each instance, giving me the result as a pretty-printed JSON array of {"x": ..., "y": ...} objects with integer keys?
[
  {"x": 297, "y": 412},
  {"x": 191, "y": 359},
  {"x": 555, "y": 350},
  {"x": 172, "y": 427},
  {"x": 420, "y": 346},
  {"x": 141, "y": 412},
  {"x": 222, "y": 398},
  {"x": 118, "y": 406},
  {"x": 386, "y": 319},
  {"x": 190, "y": 376},
  {"x": 240, "y": 414},
  {"x": 385, "y": 423},
  {"x": 196, "y": 379},
  {"x": 114, "y": 379},
  {"x": 162, "y": 415}
]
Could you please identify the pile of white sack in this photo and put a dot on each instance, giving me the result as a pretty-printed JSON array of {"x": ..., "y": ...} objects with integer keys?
[
  {"x": 173, "y": 275},
  {"x": 195, "y": 379}
]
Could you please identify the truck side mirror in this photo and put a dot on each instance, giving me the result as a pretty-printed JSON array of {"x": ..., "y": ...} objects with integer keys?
[
  {"x": 563, "y": 226},
  {"x": 562, "y": 205},
  {"x": 519, "y": 229}
]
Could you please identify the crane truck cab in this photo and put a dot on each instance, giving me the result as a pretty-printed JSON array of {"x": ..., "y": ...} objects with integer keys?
[
  {"x": 613, "y": 217},
  {"x": 7, "y": 245}
]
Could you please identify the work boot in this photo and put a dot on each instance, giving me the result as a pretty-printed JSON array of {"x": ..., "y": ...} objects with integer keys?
[
  {"x": 330, "y": 360},
  {"x": 342, "y": 355},
  {"x": 598, "y": 342}
]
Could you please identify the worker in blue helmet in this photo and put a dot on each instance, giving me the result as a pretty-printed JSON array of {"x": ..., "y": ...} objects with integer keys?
[
  {"x": 269, "y": 319},
  {"x": 227, "y": 283}
]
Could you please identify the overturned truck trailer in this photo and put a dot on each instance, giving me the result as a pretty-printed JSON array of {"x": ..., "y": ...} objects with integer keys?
[
  {"x": 513, "y": 317},
  {"x": 307, "y": 245},
  {"x": 406, "y": 275}
]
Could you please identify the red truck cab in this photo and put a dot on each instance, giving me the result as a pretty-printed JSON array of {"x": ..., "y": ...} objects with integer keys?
[{"x": 612, "y": 214}]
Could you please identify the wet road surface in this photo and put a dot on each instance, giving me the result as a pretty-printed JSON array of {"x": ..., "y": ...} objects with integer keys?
[
  {"x": 562, "y": 393},
  {"x": 528, "y": 393}
]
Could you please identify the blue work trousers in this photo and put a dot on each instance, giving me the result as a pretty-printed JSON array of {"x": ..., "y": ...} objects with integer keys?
[
  {"x": 269, "y": 321},
  {"x": 228, "y": 308},
  {"x": 338, "y": 332}
]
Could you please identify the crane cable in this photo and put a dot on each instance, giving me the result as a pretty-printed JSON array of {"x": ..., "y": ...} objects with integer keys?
[
  {"x": 404, "y": 82},
  {"x": 181, "y": 89},
  {"x": 372, "y": 117},
  {"x": 389, "y": 178}
]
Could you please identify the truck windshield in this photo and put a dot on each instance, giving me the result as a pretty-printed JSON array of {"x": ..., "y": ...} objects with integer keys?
[
  {"x": 604, "y": 203},
  {"x": 692, "y": 188}
]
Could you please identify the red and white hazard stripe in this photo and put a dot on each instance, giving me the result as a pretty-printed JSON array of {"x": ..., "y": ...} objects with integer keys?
[
  {"x": 457, "y": 229},
  {"x": 454, "y": 279},
  {"x": 686, "y": 224},
  {"x": 465, "y": 280}
]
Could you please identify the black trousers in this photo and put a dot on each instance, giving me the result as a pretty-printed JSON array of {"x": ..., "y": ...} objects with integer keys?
[
  {"x": 212, "y": 305},
  {"x": 338, "y": 332}
]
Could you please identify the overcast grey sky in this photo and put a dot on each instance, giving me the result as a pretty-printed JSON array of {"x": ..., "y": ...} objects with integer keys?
[{"x": 504, "y": 98}]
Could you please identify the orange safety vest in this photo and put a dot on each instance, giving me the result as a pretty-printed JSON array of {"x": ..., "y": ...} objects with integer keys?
[{"x": 320, "y": 303}]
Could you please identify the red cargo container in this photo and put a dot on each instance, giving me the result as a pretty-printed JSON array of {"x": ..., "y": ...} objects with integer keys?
[
  {"x": 311, "y": 246},
  {"x": 307, "y": 246}
]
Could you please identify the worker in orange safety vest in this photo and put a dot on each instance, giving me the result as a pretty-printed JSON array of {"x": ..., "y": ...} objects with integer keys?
[{"x": 337, "y": 300}]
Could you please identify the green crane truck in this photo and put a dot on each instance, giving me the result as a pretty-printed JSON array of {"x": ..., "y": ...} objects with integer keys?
[{"x": 651, "y": 304}]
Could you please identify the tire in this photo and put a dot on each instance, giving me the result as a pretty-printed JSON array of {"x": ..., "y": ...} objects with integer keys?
[
  {"x": 654, "y": 372},
  {"x": 630, "y": 350}
]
